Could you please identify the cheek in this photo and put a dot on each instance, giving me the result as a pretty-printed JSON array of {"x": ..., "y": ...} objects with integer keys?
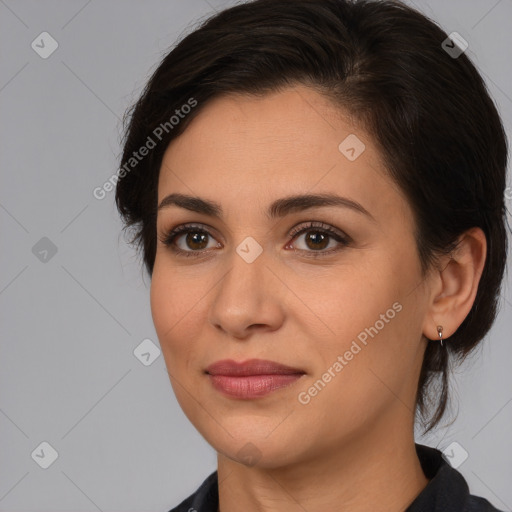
[
  {"x": 363, "y": 372},
  {"x": 174, "y": 304},
  {"x": 365, "y": 323},
  {"x": 347, "y": 299},
  {"x": 370, "y": 318}
]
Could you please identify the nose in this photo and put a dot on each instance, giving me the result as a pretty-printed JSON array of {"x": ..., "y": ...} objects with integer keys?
[{"x": 248, "y": 298}]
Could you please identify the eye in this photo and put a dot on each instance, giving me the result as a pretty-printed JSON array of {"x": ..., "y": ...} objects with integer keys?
[
  {"x": 195, "y": 237},
  {"x": 317, "y": 238}
]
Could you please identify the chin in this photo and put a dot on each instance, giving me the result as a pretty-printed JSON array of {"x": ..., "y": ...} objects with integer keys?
[{"x": 258, "y": 453}]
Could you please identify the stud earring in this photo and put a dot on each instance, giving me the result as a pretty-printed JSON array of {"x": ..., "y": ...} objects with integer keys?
[{"x": 440, "y": 332}]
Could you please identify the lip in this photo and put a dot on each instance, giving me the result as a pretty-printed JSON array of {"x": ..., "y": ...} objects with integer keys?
[
  {"x": 250, "y": 367},
  {"x": 251, "y": 379}
]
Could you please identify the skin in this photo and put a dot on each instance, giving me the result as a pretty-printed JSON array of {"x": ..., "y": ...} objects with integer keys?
[{"x": 352, "y": 446}]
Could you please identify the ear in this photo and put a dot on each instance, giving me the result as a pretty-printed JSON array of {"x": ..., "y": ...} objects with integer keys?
[{"x": 454, "y": 285}]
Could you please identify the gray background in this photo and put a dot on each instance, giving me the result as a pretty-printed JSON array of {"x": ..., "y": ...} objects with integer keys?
[{"x": 70, "y": 324}]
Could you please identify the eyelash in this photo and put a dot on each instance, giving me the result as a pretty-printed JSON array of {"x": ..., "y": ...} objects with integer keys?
[{"x": 169, "y": 238}]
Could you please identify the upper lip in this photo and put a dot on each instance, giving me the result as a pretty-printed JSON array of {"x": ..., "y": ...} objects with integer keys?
[{"x": 250, "y": 367}]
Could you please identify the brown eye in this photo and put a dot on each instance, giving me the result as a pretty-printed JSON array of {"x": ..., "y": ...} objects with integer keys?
[
  {"x": 317, "y": 238},
  {"x": 194, "y": 240}
]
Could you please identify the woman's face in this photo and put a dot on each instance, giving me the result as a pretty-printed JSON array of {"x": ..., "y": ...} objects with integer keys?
[{"x": 346, "y": 310}]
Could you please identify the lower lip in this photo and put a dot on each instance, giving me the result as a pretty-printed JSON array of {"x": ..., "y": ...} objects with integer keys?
[{"x": 252, "y": 386}]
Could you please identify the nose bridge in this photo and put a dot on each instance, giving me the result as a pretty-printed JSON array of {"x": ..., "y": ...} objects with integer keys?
[
  {"x": 245, "y": 295},
  {"x": 247, "y": 277}
]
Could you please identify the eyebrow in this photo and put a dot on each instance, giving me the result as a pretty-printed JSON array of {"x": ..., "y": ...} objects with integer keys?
[{"x": 279, "y": 208}]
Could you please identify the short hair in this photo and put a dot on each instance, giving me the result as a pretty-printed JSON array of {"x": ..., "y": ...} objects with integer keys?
[{"x": 429, "y": 112}]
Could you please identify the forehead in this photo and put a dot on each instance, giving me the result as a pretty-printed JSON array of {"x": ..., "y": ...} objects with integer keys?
[
  {"x": 293, "y": 114},
  {"x": 256, "y": 147}
]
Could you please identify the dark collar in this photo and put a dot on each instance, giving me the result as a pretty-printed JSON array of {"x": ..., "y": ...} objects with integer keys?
[{"x": 447, "y": 490}]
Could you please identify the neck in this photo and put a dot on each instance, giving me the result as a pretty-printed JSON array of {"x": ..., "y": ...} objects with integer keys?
[{"x": 373, "y": 472}]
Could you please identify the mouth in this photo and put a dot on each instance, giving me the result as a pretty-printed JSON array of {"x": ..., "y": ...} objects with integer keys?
[
  {"x": 251, "y": 379},
  {"x": 251, "y": 367}
]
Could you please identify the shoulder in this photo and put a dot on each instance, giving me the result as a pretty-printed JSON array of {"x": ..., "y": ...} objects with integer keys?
[
  {"x": 477, "y": 504},
  {"x": 204, "y": 499},
  {"x": 447, "y": 490}
]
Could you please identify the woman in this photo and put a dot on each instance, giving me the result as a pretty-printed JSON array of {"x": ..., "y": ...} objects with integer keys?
[{"x": 318, "y": 190}]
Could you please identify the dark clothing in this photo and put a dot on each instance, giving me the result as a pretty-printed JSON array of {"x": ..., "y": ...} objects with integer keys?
[{"x": 447, "y": 490}]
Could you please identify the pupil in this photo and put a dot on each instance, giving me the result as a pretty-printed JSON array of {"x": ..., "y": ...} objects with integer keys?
[
  {"x": 318, "y": 238},
  {"x": 196, "y": 238}
]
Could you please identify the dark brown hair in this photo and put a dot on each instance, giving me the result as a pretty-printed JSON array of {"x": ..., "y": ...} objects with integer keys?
[{"x": 429, "y": 112}]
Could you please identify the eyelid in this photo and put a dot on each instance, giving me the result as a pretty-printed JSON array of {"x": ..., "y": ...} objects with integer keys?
[
  {"x": 321, "y": 226},
  {"x": 168, "y": 237}
]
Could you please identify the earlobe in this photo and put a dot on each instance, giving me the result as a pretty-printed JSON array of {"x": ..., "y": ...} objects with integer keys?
[{"x": 456, "y": 286}]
